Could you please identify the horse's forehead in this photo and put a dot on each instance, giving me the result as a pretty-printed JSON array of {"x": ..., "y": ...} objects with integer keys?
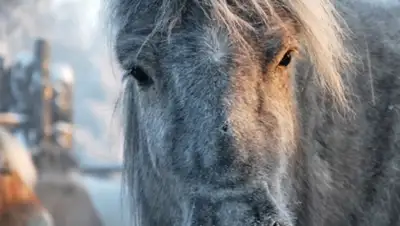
[
  {"x": 210, "y": 42},
  {"x": 216, "y": 43},
  {"x": 192, "y": 32}
]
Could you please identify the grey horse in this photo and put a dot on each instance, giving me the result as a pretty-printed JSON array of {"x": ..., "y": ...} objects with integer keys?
[{"x": 260, "y": 112}]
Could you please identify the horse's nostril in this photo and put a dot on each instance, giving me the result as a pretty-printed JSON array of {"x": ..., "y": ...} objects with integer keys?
[
  {"x": 225, "y": 128},
  {"x": 277, "y": 223}
]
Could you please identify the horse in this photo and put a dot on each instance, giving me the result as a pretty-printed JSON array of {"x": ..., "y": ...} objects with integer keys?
[
  {"x": 259, "y": 112},
  {"x": 19, "y": 204}
]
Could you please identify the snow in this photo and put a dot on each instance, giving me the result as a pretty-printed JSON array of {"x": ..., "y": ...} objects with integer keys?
[{"x": 62, "y": 72}]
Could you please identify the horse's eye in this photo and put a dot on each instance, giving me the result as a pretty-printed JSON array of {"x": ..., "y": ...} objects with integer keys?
[
  {"x": 287, "y": 58},
  {"x": 141, "y": 76}
]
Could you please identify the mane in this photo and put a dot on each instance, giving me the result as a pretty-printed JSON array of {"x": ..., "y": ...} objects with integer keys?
[
  {"x": 322, "y": 30},
  {"x": 18, "y": 158}
]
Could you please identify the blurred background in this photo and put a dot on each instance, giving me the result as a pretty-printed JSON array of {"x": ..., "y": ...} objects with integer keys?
[{"x": 58, "y": 90}]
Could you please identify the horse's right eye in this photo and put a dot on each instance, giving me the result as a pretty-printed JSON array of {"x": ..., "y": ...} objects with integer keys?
[
  {"x": 141, "y": 76},
  {"x": 287, "y": 58}
]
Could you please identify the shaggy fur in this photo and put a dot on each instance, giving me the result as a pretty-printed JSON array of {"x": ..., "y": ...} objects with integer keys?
[{"x": 217, "y": 132}]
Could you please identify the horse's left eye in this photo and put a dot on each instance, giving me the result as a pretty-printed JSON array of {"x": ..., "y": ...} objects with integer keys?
[
  {"x": 287, "y": 58},
  {"x": 141, "y": 76}
]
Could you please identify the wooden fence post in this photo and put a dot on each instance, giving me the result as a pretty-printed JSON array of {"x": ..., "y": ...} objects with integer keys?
[{"x": 42, "y": 59}]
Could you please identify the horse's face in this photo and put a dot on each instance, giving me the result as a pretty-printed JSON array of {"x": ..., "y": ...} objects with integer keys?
[{"x": 212, "y": 112}]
